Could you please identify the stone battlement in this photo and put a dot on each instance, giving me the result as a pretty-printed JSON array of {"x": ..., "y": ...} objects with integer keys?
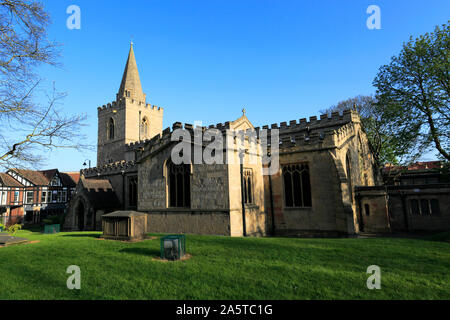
[
  {"x": 111, "y": 168},
  {"x": 121, "y": 103},
  {"x": 166, "y": 134},
  {"x": 314, "y": 131},
  {"x": 323, "y": 121}
]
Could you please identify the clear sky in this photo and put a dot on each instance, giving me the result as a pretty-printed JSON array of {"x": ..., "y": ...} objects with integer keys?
[{"x": 206, "y": 60}]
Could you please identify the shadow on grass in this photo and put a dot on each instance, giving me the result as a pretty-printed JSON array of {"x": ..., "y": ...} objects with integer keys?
[
  {"x": 441, "y": 237},
  {"x": 82, "y": 235},
  {"x": 142, "y": 251}
]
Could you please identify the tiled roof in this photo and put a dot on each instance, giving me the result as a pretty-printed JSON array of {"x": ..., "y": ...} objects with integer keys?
[
  {"x": 35, "y": 177},
  {"x": 8, "y": 181},
  {"x": 97, "y": 184},
  {"x": 69, "y": 179},
  {"x": 427, "y": 165}
]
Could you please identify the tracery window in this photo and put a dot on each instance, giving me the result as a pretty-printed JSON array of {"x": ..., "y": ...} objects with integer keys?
[{"x": 297, "y": 186}]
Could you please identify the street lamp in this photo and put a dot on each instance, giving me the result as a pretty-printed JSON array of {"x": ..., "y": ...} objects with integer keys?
[{"x": 89, "y": 161}]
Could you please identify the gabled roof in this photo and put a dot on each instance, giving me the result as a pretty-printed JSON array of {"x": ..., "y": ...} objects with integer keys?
[
  {"x": 242, "y": 123},
  {"x": 44, "y": 177},
  {"x": 100, "y": 193},
  {"x": 96, "y": 184},
  {"x": 49, "y": 174},
  {"x": 69, "y": 179},
  {"x": 8, "y": 181},
  {"x": 35, "y": 177}
]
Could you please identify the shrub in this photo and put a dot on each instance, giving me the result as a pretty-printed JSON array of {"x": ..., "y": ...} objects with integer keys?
[
  {"x": 12, "y": 229},
  {"x": 12, "y": 221},
  {"x": 52, "y": 220}
]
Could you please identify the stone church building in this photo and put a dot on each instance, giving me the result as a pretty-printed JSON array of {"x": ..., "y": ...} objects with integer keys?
[{"x": 321, "y": 160}]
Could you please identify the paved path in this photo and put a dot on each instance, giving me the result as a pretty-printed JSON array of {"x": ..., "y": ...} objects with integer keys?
[{"x": 7, "y": 240}]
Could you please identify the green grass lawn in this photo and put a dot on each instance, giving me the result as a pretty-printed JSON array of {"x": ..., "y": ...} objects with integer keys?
[{"x": 225, "y": 268}]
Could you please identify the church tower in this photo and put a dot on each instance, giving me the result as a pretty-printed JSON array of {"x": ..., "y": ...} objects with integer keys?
[{"x": 128, "y": 119}]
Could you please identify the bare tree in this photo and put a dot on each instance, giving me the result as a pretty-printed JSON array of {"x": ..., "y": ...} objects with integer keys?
[{"x": 29, "y": 127}]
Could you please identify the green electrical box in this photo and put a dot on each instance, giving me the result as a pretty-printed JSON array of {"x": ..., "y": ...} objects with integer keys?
[
  {"x": 173, "y": 247},
  {"x": 51, "y": 228}
]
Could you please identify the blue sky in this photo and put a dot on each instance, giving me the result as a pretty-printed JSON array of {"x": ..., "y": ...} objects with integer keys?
[{"x": 206, "y": 60}]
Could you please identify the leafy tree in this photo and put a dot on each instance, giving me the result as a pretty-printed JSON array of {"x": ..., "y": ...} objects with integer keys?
[
  {"x": 413, "y": 93},
  {"x": 29, "y": 127},
  {"x": 382, "y": 144}
]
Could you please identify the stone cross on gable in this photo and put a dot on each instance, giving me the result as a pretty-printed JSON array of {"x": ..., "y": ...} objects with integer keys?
[{"x": 243, "y": 111}]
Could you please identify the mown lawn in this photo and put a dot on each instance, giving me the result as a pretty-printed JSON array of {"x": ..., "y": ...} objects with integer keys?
[{"x": 225, "y": 268}]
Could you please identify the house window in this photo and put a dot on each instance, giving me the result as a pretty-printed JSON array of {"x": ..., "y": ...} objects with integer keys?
[
  {"x": 16, "y": 196},
  {"x": 3, "y": 195},
  {"x": 110, "y": 129},
  {"x": 435, "y": 210},
  {"x": 367, "y": 209},
  {"x": 54, "y": 196},
  {"x": 29, "y": 197},
  {"x": 43, "y": 196},
  {"x": 64, "y": 196},
  {"x": 132, "y": 191},
  {"x": 297, "y": 187},
  {"x": 56, "y": 182},
  {"x": 179, "y": 185},
  {"x": 248, "y": 186},
  {"x": 144, "y": 127},
  {"x": 415, "y": 210},
  {"x": 424, "y": 207}
]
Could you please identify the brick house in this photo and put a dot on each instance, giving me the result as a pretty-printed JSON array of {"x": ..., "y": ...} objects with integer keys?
[{"x": 32, "y": 195}]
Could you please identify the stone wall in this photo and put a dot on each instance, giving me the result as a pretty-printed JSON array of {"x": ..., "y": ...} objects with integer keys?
[
  {"x": 372, "y": 210},
  {"x": 390, "y": 208},
  {"x": 127, "y": 115},
  {"x": 189, "y": 221}
]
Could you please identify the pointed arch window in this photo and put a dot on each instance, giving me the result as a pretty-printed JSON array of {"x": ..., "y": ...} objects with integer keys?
[
  {"x": 349, "y": 176},
  {"x": 144, "y": 127},
  {"x": 132, "y": 191},
  {"x": 248, "y": 186},
  {"x": 179, "y": 185},
  {"x": 110, "y": 129},
  {"x": 297, "y": 186}
]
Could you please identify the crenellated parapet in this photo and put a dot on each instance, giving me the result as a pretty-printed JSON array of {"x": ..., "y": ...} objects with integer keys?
[
  {"x": 334, "y": 120},
  {"x": 122, "y": 102},
  {"x": 324, "y": 130},
  {"x": 111, "y": 168}
]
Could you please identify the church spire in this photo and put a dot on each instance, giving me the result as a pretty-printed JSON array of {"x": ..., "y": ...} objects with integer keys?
[{"x": 131, "y": 84}]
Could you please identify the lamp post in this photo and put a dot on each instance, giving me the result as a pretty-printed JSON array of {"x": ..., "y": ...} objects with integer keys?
[{"x": 89, "y": 161}]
